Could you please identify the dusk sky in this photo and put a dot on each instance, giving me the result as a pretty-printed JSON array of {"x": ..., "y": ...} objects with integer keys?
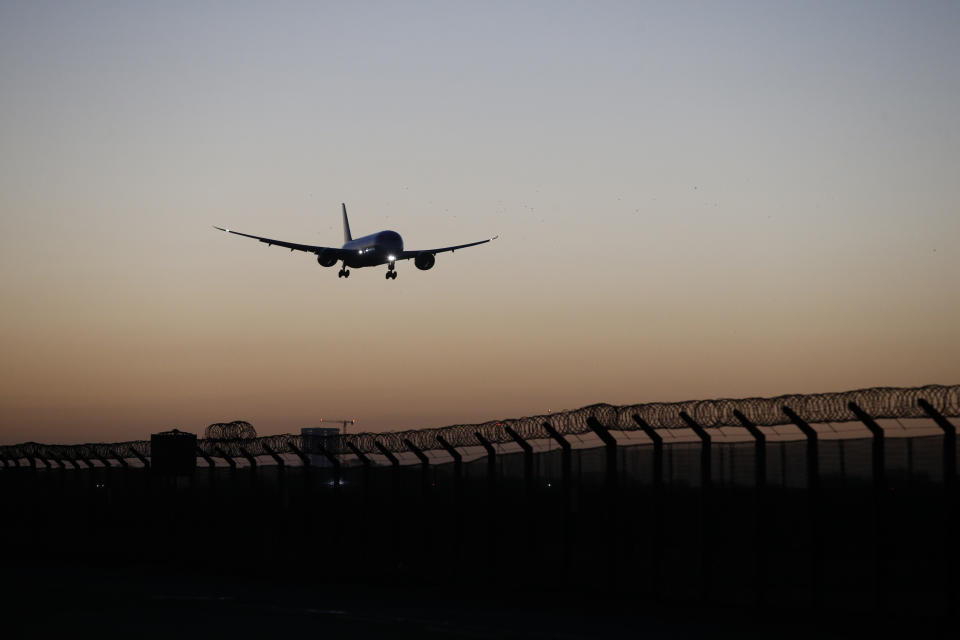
[{"x": 693, "y": 199}]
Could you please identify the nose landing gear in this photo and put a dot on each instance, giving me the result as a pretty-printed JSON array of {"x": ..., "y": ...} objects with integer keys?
[
  {"x": 391, "y": 274},
  {"x": 343, "y": 273}
]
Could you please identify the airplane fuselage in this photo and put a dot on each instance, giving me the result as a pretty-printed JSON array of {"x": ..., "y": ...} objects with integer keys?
[{"x": 374, "y": 249}]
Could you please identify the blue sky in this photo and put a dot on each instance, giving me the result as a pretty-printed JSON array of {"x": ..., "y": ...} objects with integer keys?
[{"x": 694, "y": 200}]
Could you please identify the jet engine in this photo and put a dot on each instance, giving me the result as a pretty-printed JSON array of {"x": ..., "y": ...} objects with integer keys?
[
  {"x": 424, "y": 261},
  {"x": 327, "y": 258}
]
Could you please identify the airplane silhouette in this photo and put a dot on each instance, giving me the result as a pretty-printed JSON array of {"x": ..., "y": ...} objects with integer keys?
[{"x": 384, "y": 247}]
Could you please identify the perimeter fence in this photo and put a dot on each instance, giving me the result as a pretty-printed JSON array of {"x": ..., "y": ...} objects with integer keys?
[
  {"x": 842, "y": 499},
  {"x": 822, "y": 408}
]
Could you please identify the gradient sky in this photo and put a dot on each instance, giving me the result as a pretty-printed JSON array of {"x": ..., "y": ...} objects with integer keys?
[{"x": 694, "y": 200}]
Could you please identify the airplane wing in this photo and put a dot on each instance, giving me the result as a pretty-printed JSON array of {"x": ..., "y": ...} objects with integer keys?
[
  {"x": 406, "y": 255},
  {"x": 293, "y": 246}
]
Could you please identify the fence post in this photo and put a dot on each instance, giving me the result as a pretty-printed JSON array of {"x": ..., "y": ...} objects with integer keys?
[
  {"x": 394, "y": 462},
  {"x": 276, "y": 457},
  {"x": 116, "y": 456},
  {"x": 124, "y": 466},
  {"x": 365, "y": 508},
  {"x": 611, "y": 447},
  {"x": 457, "y": 466},
  {"x": 529, "y": 511},
  {"x": 706, "y": 506},
  {"x": 427, "y": 513},
  {"x": 492, "y": 511},
  {"x": 145, "y": 473},
  {"x": 814, "y": 503},
  {"x": 139, "y": 456},
  {"x": 212, "y": 468},
  {"x": 230, "y": 461},
  {"x": 879, "y": 479},
  {"x": 880, "y": 503},
  {"x": 657, "y": 441},
  {"x": 761, "y": 544},
  {"x": 89, "y": 475},
  {"x": 424, "y": 467},
  {"x": 365, "y": 461},
  {"x": 281, "y": 472},
  {"x": 334, "y": 464},
  {"x": 949, "y": 444},
  {"x": 307, "y": 469},
  {"x": 280, "y": 522},
  {"x": 458, "y": 501},
  {"x": 527, "y": 460},
  {"x": 61, "y": 474},
  {"x": 950, "y": 504},
  {"x": 395, "y": 493},
  {"x": 611, "y": 489},
  {"x": 491, "y": 464},
  {"x": 656, "y": 546},
  {"x": 306, "y": 506},
  {"x": 566, "y": 489},
  {"x": 254, "y": 484}
]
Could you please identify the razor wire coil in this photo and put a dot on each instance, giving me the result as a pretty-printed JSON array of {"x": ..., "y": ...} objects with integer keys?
[{"x": 238, "y": 438}]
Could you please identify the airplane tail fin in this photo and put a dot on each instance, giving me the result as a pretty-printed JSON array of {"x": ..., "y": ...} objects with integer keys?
[{"x": 347, "y": 236}]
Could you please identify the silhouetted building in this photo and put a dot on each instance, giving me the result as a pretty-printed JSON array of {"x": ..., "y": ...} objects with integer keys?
[
  {"x": 316, "y": 440},
  {"x": 173, "y": 453}
]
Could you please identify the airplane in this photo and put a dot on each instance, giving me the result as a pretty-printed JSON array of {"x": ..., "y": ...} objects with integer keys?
[{"x": 384, "y": 247}]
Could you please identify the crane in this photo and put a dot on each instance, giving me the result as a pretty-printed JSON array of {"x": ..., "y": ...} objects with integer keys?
[{"x": 343, "y": 421}]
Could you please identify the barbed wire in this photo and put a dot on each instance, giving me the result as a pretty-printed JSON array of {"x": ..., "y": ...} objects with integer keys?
[
  {"x": 236, "y": 430},
  {"x": 235, "y": 440}
]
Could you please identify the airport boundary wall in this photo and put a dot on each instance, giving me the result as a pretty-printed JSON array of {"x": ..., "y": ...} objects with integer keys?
[{"x": 831, "y": 500}]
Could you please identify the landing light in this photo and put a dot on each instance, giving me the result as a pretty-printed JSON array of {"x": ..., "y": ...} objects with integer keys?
[{"x": 391, "y": 258}]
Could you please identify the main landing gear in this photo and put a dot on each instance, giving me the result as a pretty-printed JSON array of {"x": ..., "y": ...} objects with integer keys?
[
  {"x": 343, "y": 273},
  {"x": 391, "y": 274}
]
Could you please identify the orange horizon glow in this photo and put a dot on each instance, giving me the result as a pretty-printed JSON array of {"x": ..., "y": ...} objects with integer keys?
[{"x": 691, "y": 203}]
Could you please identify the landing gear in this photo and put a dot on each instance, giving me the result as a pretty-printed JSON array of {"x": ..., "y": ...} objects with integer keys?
[
  {"x": 343, "y": 273},
  {"x": 391, "y": 273}
]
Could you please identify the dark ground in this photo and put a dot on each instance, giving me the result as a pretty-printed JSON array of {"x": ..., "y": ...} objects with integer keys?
[{"x": 156, "y": 603}]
